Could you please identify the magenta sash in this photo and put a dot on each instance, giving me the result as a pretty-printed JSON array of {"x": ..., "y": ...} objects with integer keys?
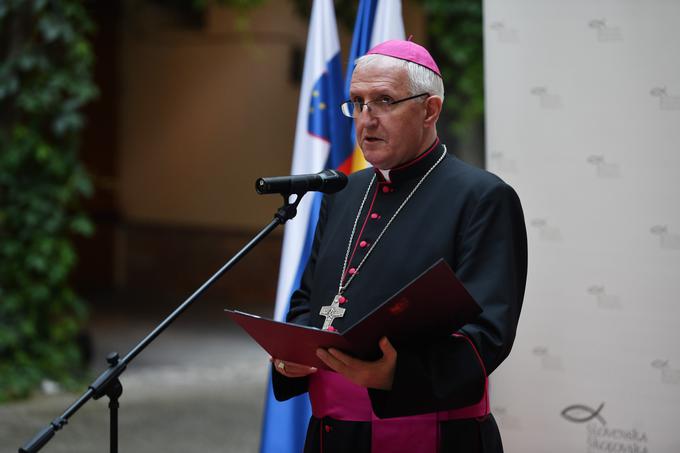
[{"x": 334, "y": 396}]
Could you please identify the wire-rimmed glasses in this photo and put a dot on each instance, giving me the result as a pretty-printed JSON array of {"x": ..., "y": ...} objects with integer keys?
[{"x": 378, "y": 107}]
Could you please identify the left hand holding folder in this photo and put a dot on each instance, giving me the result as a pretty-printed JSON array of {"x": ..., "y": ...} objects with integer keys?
[{"x": 378, "y": 374}]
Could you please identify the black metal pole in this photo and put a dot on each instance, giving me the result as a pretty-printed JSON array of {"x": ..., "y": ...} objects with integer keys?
[
  {"x": 113, "y": 428},
  {"x": 113, "y": 421},
  {"x": 108, "y": 383}
]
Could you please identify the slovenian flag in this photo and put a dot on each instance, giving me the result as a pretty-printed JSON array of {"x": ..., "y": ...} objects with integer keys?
[{"x": 321, "y": 141}]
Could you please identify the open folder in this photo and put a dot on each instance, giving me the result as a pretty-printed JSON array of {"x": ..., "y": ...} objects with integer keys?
[{"x": 433, "y": 304}]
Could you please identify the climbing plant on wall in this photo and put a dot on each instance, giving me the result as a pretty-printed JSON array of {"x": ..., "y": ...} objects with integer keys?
[
  {"x": 45, "y": 79},
  {"x": 455, "y": 30}
]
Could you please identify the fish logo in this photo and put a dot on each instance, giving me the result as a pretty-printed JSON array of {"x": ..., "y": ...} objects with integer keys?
[
  {"x": 667, "y": 239},
  {"x": 605, "y": 32},
  {"x": 546, "y": 231},
  {"x": 669, "y": 375},
  {"x": 580, "y": 413},
  {"x": 604, "y": 169},
  {"x": 504, "y": 33},
  {"x": 498, "y": 161},
  {"x": 666, "y": 101},
  {"x": 548, "y": 100}
]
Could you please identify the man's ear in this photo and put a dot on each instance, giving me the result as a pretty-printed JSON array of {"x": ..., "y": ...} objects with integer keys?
[{"x": 433, "y": 107}]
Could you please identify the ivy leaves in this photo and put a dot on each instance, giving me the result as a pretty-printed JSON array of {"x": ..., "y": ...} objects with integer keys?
[
  {"x": 455, "y": 29},
  {"x": 45, "y": 79}
]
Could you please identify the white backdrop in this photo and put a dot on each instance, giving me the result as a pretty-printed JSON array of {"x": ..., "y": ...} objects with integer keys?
[{"x": 583, "y": 119}]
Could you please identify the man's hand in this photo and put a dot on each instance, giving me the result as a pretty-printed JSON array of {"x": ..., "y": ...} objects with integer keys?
[
  {"x": 292, "y": 369},
  {"x": 377, "y": 375}
]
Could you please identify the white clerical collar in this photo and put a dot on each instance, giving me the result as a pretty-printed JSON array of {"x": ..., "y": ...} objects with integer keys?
[{"x": 386, "y": 174}]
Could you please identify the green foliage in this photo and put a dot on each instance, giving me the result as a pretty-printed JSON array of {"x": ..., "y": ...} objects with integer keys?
[
  {"x": 45, "y": 78},
  {"x": 455, "y": 28}
]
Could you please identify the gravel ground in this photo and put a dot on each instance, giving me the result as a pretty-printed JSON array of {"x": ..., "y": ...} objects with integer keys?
[{"x": 199, "y": 387}]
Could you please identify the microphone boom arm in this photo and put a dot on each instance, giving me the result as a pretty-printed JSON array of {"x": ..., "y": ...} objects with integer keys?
[{"x": 108, "y": 384}]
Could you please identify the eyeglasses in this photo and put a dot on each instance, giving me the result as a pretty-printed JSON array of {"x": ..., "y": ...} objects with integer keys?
[{"x": 379, "y": 107}]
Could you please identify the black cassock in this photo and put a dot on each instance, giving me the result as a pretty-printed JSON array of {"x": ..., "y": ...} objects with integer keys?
[{"x": 467, "y": 216}]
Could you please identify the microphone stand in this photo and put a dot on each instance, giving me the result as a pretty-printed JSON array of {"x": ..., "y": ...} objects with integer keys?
[{"x": 108, "y": 383}]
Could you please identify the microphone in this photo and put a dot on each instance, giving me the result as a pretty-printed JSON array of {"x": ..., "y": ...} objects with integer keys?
[{"x": 328, "y": 181}]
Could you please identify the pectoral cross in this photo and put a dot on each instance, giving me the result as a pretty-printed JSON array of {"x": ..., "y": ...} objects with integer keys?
[{"x": 332, "y": 311}]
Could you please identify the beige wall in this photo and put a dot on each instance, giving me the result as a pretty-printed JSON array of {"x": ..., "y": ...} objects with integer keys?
[{"x": 205, "y": 112}]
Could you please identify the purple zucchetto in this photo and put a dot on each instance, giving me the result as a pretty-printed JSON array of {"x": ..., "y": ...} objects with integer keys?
[{"x": 406, "y": 50}]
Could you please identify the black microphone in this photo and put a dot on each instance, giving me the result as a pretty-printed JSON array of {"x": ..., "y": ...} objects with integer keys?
[{"x": 328, "y": 181}]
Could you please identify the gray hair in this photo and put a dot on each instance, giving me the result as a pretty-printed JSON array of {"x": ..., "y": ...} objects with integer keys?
[{"x": 421, "y": 79}]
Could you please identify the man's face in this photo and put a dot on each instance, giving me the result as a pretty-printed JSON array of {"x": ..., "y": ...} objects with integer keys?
[{"x": 396, "y": 137}]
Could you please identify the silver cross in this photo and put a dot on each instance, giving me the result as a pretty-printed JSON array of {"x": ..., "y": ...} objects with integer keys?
[{"x": 332, "y": 311}]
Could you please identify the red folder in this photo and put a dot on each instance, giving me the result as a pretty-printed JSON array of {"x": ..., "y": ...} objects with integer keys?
[{"x": 434, "y": 304}]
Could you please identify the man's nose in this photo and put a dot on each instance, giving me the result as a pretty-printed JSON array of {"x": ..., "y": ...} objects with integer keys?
[{"x": 366, "y": 117}]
